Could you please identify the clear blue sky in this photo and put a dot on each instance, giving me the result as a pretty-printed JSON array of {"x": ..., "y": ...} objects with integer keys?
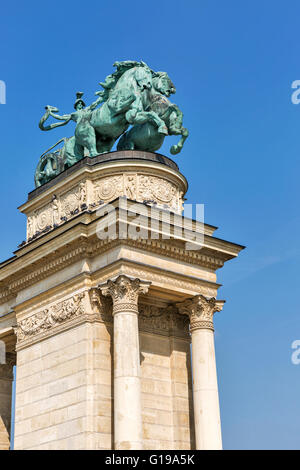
[{"x": 233, "y": 64}]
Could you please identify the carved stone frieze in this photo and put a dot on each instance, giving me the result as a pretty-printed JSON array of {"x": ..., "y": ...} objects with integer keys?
[
  {"x": 50, "y": 317},
  {"x": 108, "y": 189},
  {"x": 159, "y": 190},
  {"x": 165, "y": 321},
  {"x": 90, "y": 195},
  {"x": 59, "y": 210},
  {"x": 130, "y": 185}
]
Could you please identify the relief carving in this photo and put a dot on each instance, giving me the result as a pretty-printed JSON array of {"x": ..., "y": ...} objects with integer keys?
[
  {"x": 50, "y": 317},
  {"x": 82, "y": 193},
  {"x": 164, "y": 320},
  {"x": 159, "y": 190},
  {"x": 130, "y": 186},
  {"x": 70, "y": 203},
  {"x": 108, "y": 189},
  {"x": 43, "y": 218},
  {"x": 135, "y": 186},
  {"x": 30, "y": 227},
  {"x": 56, "y": 210}
]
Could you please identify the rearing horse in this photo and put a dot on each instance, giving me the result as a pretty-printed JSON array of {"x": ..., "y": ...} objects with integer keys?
[
  {"x": 146, "y": 136},
  {"x": 99, "y": 128}
]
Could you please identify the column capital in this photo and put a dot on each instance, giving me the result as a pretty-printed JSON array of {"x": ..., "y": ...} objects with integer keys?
[
  {"x": 201, "y": 311},
  {"x": 124, "y": 292}
]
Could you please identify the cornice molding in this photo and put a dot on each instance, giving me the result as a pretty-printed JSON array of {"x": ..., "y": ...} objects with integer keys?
[{"x": 62, "y": 258}]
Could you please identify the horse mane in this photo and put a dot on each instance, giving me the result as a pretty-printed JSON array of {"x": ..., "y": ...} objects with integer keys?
[{"x": 122, "y": 67}]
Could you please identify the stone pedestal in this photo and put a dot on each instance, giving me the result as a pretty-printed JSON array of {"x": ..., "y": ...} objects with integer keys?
[{"x": 102, "y": 296}]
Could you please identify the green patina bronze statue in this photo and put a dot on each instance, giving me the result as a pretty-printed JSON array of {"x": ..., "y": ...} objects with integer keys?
[{"x": 134, "y": 95}]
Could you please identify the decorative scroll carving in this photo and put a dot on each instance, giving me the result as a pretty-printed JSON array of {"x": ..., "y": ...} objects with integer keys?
[
  {"x": 124, "y": 292},
  {"x": 200, "y": 311},
  {"x": 43, "y": 218},
  {"x": 50, "y": 317}
]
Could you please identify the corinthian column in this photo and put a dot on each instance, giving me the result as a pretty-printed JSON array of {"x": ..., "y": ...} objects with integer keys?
[
  {"x": 127, "y": 388},
  {"x": 205, "y": 385}
]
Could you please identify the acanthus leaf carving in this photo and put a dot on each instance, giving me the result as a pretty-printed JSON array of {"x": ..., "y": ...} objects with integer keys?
[
  {"x": 200, "y": 310},
  {"x": 124, "y": 292}
]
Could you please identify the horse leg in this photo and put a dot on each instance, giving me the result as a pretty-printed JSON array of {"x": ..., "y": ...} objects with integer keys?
[
  {"x": 177, "y": 148},
  {"x": 140, "y": 117},
  {"x": 162, "y": 128},
  {"x": 174, "y": 120}
]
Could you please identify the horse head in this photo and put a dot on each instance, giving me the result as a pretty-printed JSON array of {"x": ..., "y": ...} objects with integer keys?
[
  {"x": 163, "y": 84},
  {"x": 143, "y": 77}
]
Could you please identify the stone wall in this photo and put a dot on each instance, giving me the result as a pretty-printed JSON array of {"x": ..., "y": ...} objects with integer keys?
[
  {"x": 166, "y": 392},
  {"x": 63, "y": 395}
]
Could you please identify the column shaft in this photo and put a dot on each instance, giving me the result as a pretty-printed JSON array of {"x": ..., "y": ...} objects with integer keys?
[
  {"x": 205, "y": 385},
  {"x": 205, "y": 391},
  {"x": 127, "y": 388},
  {"x": 124, "y": 292}
]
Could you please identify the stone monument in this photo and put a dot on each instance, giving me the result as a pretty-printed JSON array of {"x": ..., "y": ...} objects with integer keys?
[{"x": 102, "y": 304}]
